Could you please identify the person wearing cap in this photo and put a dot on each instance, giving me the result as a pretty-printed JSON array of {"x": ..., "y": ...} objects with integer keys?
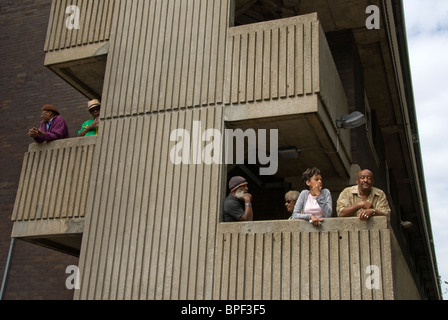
[
  {"x": 90, "y": 127},
  {"x": 238, "y": 204},
  {"x": 52, "y": 126}
]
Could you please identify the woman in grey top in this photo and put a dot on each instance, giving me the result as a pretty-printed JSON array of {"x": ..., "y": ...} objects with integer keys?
[{"x": 314, "y": 203}]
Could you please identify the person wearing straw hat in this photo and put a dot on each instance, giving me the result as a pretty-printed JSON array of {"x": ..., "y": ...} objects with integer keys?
[
  {"x": 52, "y": 126},
  {"x": 90, "y": 127},
  {"x": 238, "y": 204}
]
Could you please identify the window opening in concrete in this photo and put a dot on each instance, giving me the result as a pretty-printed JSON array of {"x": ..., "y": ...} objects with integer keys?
[{"x": 254, "y": 11}]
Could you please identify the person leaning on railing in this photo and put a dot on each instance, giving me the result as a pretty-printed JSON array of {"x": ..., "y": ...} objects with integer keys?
[
  {"x": 363, "y": 199},
  {"x": 90, "y": 127},
  {"x": 52, "y": 126},
  {"x": 314, "y": 203}
]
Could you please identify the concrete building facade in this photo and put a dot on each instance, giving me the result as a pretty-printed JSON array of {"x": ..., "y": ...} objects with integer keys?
[{"x": 173, "y": 78}]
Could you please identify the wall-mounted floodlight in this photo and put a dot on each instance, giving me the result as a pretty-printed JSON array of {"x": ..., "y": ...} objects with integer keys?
[
  {"x": 351, "y": 121},
  {"x": 289, "y": 152},
  {"x": 406, "y": 224}
]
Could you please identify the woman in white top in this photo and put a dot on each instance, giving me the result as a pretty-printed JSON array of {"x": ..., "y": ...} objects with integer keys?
[{"x": 314, "y": 204}]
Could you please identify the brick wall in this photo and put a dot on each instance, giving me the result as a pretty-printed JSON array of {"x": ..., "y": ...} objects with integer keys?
[{"x": 35, "y": 272}]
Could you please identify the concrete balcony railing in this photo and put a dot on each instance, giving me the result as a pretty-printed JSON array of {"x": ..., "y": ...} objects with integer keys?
[
  {"x": 77, "y": 42},
  {"x": 344, "y": 259},
  {"x": 78, "y": 23},
  {"x": 51, "y": 199}
]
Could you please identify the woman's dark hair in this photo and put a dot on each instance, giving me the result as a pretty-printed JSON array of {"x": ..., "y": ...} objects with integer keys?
[{"x": 308, "y": 174}]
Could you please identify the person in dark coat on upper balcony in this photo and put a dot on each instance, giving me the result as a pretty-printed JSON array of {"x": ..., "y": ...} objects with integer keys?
[{"x": 52, "y": 126}]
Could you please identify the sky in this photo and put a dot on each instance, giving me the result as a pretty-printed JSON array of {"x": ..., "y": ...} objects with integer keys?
[{"x": 427, "y": 33}]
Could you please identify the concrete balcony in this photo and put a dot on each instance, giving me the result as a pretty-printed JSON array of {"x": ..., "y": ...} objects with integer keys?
[
  {"x": 344, "y": 259},
  {"x": 77, "y": 43},
  {"x": 281, "y": 75},
  {"x": 51, "y": 199}
]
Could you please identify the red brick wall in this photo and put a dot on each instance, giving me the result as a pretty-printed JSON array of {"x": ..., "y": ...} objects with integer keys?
[{"x": 26, "y": 85}]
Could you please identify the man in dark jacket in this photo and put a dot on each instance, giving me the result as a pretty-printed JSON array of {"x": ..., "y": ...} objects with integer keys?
[
  {"x": 238, "y": 205},
  {"x": 52, "y": 127}
]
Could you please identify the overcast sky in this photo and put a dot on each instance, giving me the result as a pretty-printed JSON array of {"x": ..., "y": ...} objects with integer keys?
[{"x": 427, "y": 31}]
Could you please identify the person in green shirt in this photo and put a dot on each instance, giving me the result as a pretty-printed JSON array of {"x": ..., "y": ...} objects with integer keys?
[{"x": 90, "y": 127}]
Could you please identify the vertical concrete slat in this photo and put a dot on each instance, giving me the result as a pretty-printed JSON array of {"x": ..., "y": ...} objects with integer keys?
[
  {"x": 274, "y": 61},
  {"x": 355, "y": 265},
  {"x": 364, "y": 246},
  {"x": 324, "y": 266},
  {"x": 316, "y": 54},
  {"x": 283, "y": 62},
  {"x": 157, "y": 216},
  {"x": 249, "y": 268},
  {"x": 163, "y": 64},
  {"x": 179, "y": 61},
  {"x": 233, "y": 266},
  {"x": 48, "y": 177},
  {"x": 193, "y": 52},
  {"x": 291, "y": 63},
  {"x": 386, "y": 258},
  {"x": 162, "y": 206},
  {"x": 267, "y": 40},
  {"x": 375, "y": 241},
  {"x": 277, "y": 263},
  {"x": 149, "y": 198},
  {"x": 334, "y": 266},
  {"x": 251, "y": 63},
  {"x": 308, "y": 58},
  {"x": 173, "y": 67},
  {"x": 236, "y": 69},
  {"x": 259, "y": 45},
  {"x": 27, "y": 187},
  {"x": 134, "y": 90},
  {"x": 218, "y": 266},
  {"x": 305, "y": 266},
  {"x": 296, "y": 246},
  {"x": 17, "y": 212},
  {"x": 149, "y": 12},
  {"x": 34, "y": 181},
  {"x": 241, "y": 265},
  {"x": 344, "y": 263},
  {"x": 258, "y": 267},
  {"x": 299, "y": 60},
  {"x": 286, "y": 267},
  {"x": 267, "y": 266},
  {"x": 314, "y": 267}
]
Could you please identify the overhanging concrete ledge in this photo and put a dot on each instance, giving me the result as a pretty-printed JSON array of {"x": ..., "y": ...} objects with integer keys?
[
  {"x": 45, "y": 227},
  {"x": 63, "y": 234}
]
